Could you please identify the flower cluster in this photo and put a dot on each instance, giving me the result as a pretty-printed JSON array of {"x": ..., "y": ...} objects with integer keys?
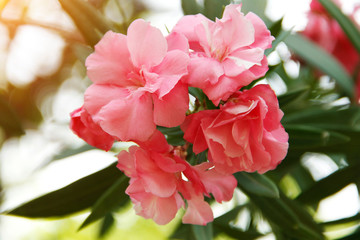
[
  {"x": 140, "y": 81},
  {"x": 318, "y": 29}
]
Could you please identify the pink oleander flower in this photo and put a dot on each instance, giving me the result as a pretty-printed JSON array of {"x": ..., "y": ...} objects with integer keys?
[
  {"x": 245, "y": 134},
  {"x": 83, "y": 125},
  {"x": 227, "y": 54},
  {"x": 136, "y": 82},
  {"x": 318, "y": 29},
  {"x": 156, "y": 182}
]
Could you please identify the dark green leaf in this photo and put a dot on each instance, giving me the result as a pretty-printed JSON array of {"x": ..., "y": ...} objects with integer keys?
[
  {"x": 236, "y": 233},
  {"x": 320, "y": 59},
  {"x": 330, "y": 185},
  {"x": 292, "y": 219},
  {"x": 183, "y": 231},
  {"x": 288, "y": 97},
  {"x": 308, "y": 137},
  {"x": 174, "y": 136},
  {"x": 73, "y": 198},
  {"x": 112, "y": 199},
  {"x": 335, "y": 118},
  {"x": 190, "y": 7},
  {"x": 257, "y": 184},
  {"x": 197, "y": 93},
  {"x": 345, "y": 22},
  {"x": 214, "y": 8},
  {"x": 106, "y": 225},
  {"x": 202, "y": 232}
]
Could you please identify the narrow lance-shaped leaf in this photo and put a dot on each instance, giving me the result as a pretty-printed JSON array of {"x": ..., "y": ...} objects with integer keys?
[
  {"x": 202, "y": 232},
  {"x": 214, "y": 8},
  {"x": 346, "y": 24},
  {"x": 290, "y": 96},
  {"x": 75, "y": 197},
  {"x": 112, "y": 199},
  {"x": 190, "y": 7},
  {"x": 330, "y": 185},
  {"x": 320, "y": 59},
  {"x": 257, "y": 184}
]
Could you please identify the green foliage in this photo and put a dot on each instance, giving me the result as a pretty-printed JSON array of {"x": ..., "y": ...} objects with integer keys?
[
  {"x": 73, "y": 198},
  {"x": 346, "y": 24},
  {"x": 286, "y": 198},
  {"x": 320, "y": 59}
]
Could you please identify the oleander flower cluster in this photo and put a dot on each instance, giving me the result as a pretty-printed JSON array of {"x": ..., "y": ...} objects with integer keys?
[
  {"x": 321, "y": 25},
  {"x": 141, "y": 81}
]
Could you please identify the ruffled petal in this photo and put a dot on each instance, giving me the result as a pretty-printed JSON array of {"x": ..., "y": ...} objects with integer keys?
[
  {"x": 170, "y": 111},
  {"x": 110, "y": 63},
  {"x": 129, "y": 119},
  {"x": 83, "y": 125},
  {"x": 146, "y": 44}
]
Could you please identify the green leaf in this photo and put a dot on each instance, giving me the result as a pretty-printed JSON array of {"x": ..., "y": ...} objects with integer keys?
[
  {"x": 290, "y": 218},
  {"x": 202, "y": 232},
  {"x": 190, "y": 7},
  {"x": 330, "y": 185},
  {"x": 197, "y": 93},
  {"x": 112, "y": 199},
  {"x": 290, "y": 96},
  {"x": 348, "y": 26},
  {"x": 9, "y": 120},
  {"x": 88, "y": 20},
  {"x": 282, "y": 36},
  {"x": 174, "y": 136},
  {"x": 75, "y": 197},
  {"x": 106, "y": 225},
  {"x": 214, "y": 8},
  {"x": 334, "y": 118},
  {"x": 320, "y": 59},
  {"x": 257, "y": 184},
  {"x": 309, "y": 137}
]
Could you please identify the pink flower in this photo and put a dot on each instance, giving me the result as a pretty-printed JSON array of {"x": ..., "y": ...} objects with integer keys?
[
  {"x": 245, "y": 134},
  {"x": 158, "y": 176},
  {"x": 318, "y": 29},
  {"x": 82, "y": 125},
  {"x": 227, "y": 54},
  {"x": 136, "y": 82}
]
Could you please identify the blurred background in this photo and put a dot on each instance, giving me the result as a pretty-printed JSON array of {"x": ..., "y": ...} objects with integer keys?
[{"x": 42, "y": 80}]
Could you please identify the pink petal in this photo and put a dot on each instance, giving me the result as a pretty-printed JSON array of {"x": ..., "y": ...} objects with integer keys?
[
  {"x": 235, "y": 30},
  {"x": 223, "y": 89},
  {"x": 186, "y": 25},
  {"x": 220, "y": 185},
  {"x": 146, "y": 44},
  {"x": 263, "y": 38},
  {"x": 242, "y": 60},
  {"x": 126, "y": 161},
  {"x": 147, "y": 205},
  {"x": 83, "y": 125},
  {"x": 110, "y": 63},
  {"x": 129, "y": 119},
  {"x": 166, "y": 163},
  {"x": 177, "y": 41},
  {"x": 274, "y": 113},
  {"x": 157, "y": 143},
  {"x": 203, "y": 71},
  {"x": 98, "y": 95},
  {"x": 198, "y": 211},
  {"x": 170, "y": 111},
  {"x": 193, "y": 131},
  {"x": 170, "y": 70}
]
